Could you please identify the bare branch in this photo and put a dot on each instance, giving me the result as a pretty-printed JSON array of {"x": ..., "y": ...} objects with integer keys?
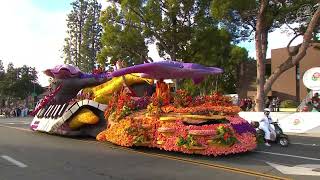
[
  {"x": 296, "y": 48},
  {"x": 291, "y": 61}
]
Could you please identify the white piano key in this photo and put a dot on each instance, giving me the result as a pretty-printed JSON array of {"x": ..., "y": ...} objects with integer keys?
[
  {"x": 102, "y": 107},
  {"x": 67, "y": 115},
  {"x": 47, "y": 111},
  {"x": 64, "y": 107},
  {"x": 85, "y": 102},
  {"x": 74, "y": 108},
  {"x": 93, "y": 104},
  {"x": 56, "y": 111}
]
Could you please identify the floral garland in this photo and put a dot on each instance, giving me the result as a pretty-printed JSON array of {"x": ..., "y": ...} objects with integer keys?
[{"x": 206, "y": 108}]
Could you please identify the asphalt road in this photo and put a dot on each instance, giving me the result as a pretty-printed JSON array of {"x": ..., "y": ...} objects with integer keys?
[{"x": 25, "y": 154}]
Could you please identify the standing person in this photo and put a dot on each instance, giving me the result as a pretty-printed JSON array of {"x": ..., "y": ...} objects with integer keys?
[
  {"x": 315, "y": 105},
  {"x": 242, "y": 104},
  {"x": 264, "y": 125},
  {"x": 249, "y": 104},
  {"x": 17, "y": 111},
  {"x": 267, "y": 103},
  {"x": 315, "y": 97},
  {"x": 277, "y": 104}
]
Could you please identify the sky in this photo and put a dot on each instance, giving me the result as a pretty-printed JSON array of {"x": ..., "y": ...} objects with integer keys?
[{"x": 32, "y": 33}]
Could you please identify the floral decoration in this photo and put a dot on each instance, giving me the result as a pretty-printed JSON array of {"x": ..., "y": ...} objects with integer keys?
[
  {"x": 225, "y": 136},
  {"x": 157, "y": 122}
]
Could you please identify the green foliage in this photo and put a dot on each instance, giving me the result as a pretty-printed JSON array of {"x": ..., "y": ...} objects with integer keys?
[
  {"x": 239, "y": 17},
  {"x": 225, "y": 83},
  {"x": 1, "y": 66},
  {"x": 19, "y": 83},
  {"x": 225, "y": 136},
  {"x": 181, "y": 30},
  {"x": 188, "y": 141},
  {"x": 288, "y": 104},
  {"x": 83, "y": 35}
]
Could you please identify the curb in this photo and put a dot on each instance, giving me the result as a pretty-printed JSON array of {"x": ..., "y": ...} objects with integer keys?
[{"x": 316, "y": 135}]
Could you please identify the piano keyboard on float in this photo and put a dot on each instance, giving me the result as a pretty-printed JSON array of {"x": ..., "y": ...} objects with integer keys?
[{"x": 50, "y": 118}]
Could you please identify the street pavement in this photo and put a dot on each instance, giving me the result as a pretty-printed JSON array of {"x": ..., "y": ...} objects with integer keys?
[{"x": 25, "y": 154}]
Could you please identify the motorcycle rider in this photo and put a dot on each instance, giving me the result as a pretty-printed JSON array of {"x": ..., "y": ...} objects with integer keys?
[{"x": 264, "y": 125}]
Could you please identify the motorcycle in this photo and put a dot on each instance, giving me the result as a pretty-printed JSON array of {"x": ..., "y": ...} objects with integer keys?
[{"x": 280, "y": 137}]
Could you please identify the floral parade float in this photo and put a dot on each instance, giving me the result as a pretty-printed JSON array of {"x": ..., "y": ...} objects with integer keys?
[
  {"x": 122, "y": 110},
  {"x": 175, "y": 121}
]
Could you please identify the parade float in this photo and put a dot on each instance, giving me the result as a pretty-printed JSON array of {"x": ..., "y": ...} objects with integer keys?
[{"x": 156, "y": 117}]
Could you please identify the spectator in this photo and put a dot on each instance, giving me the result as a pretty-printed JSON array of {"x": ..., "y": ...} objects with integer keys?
[
  {"x": 98, "y": 70},
  {"x": 249, "y": 104},
  {"x": 273, "y": 104},
  {"x": 24, "y": 112},
  {"x": 315, "y": 105},
  {"x": 242, "y": 105},
  {"x": 17, "y": 112},
  {"x": 315, "y": 97},
  {"x": 277, "y": 104}
]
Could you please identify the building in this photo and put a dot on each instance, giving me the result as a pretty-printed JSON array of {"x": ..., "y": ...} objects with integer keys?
[
  {"x": 247, "y": 78},
  {"x": 289, "y": 85}
]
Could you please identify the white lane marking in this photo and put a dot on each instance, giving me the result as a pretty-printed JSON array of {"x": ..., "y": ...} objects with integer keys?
[
  {"x": 16, "y": 123},
  {"x": 288, "y": 155},
  {"x": 13, "y": 161},
  {"x": 302, "y": 169},
  {"x": 305, "y": 144}
]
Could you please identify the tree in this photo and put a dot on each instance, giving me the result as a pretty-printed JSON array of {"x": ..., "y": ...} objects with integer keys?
[
  {"x": 19, "y": 83},
  {"x": 92, "y": 35},
  {"x": 1, "y": 70},
  {"x": 261, "y": 17},
  {"x": 83, "y": 35},
  {"x": 181, "y": 30},
  {"x": 1, "y": 66},
  {"x": 298, "y": 52}
]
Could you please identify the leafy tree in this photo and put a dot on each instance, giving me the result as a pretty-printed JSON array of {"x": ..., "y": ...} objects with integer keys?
[
  {"x": 1, "y": 71},
  {"x": 1, "y": 66},
  {"x": 83, "y": 35},
  {"x": 181, "y": 30},
  {"x": 19, "y": 83},
  {"x": 242, "y": 18}
]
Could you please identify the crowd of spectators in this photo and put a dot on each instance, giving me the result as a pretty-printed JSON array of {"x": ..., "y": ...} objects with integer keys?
[
  {"x": 14, "y": 112},
  {"x": 273, "y": 104},
  {"x": 313, "y": 104},
  {"x": 246, "y": 104}
]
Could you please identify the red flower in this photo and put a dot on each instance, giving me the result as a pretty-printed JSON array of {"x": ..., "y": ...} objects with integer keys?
[{"x": 226, "y": 136}]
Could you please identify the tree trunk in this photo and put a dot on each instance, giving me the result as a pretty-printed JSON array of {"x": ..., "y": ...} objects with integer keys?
[
  {"x": 260, "y": 54},
  {"x": 296, "y": 56}
]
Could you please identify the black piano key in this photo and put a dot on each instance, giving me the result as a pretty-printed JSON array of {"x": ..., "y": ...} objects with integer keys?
[
  {"x": 54, "y": 115},
  {"x": 53, "y": 110},
  {"x": 63, "y": 109},
  {"x": 42, "y": 111},
  {"x": 46, "y": 111},
  {"x": 47, "y": 115}
]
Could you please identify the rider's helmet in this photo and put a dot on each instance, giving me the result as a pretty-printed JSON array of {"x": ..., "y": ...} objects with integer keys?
[{"x": 266, "y": 111}]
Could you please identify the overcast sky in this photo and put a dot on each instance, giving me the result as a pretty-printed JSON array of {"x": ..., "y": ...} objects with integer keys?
[{"x": 32, "y": 32}]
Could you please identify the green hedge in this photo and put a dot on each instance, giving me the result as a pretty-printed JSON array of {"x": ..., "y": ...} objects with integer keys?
[{"x": 289, "y": 104}]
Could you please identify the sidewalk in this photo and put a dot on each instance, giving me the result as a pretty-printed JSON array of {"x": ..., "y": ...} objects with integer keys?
[{"x": 317, "y": 135}]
